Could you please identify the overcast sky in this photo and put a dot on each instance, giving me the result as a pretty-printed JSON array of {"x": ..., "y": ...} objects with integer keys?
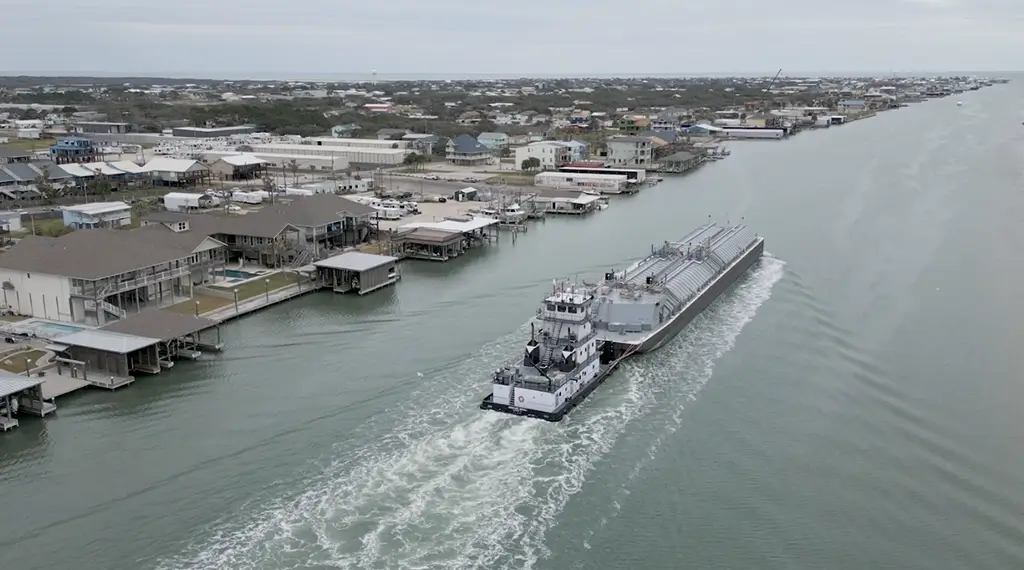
[{"x": 305, "y": 38}]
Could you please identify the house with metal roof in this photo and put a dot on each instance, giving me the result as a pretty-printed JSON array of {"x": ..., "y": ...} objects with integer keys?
[
  {"x": 9, "y": 155},
  {"x": 54, "y": 173},
  {"x": 19, "y": 395},
  {"x": 239, "y": 167},
  {"x": 465, "y": 150},
  {"x": 147, "y": 342},
  {"x": 97, "y": 215},
  {"x": 177, "y": 171}
]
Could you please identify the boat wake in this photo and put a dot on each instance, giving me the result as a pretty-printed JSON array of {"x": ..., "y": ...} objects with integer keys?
[{"x": 463, "y": 488}]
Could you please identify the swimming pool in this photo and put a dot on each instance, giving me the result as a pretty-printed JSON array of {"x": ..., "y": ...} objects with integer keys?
[
  {"x": 237, "y": 274},
  {"x": 46, "y": 329}
]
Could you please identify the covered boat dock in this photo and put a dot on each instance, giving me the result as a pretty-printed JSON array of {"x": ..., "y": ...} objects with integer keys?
[
  {"x": 441, "y": 241},
  {"x": 680, "y": 162},
  {"x": 358, "y": 271},
  {"x": 146, "y": 342},
  {"x": 21, "y": 394}
]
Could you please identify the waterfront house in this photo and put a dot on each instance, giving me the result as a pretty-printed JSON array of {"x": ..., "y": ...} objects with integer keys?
[
  {"x": 74, "y": 149},
  {"x": 852, "y": 106},
  {"x": 630, "y": 151},
  {"x": 465, "y": 150},
  {"x": 681, "y": 161},
  {"x": 293, "y": 231},
  {"x": 97, "y": 276},
  {"x": 97, "y": 215}
]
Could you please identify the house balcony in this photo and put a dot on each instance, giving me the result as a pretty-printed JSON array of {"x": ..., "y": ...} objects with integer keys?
[{"x": 95, "y": 290}]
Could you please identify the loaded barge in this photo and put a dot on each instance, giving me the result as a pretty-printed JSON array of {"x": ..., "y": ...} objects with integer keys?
[{"x": 582, "y": 332}]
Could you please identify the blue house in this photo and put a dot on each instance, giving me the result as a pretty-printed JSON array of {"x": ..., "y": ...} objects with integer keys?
[{"x": 74, "y": 149}]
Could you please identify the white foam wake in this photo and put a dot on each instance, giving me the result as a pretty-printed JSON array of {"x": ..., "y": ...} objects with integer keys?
[{"x": 464, "y": 488}]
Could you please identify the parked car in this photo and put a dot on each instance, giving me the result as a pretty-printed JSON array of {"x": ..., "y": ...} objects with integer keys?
[{"x": 431, "y": 177}]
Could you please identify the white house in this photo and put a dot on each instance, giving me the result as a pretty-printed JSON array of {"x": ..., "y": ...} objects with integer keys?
[
  {"x": 551, "y": 154},
  {"x": 630, "y": 151},
  {"x": 98, "y": 215}
]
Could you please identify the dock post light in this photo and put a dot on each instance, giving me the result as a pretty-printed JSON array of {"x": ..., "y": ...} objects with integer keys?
[
  {"x": 235, "y": 291},
  {"x": 266, "y": 285}
]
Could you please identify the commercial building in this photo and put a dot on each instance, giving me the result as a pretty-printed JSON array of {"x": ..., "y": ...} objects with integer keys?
[
  {"x": 97, "y": 215},
  {"x": 102, "y": 127},
  {"x": 362, "y": 155},
  {"x": 359, "y": 143},
  {"x": 212, "y": 132},
  {"x": 604, "y": 183},
  {"x": 282, "y": 160}
]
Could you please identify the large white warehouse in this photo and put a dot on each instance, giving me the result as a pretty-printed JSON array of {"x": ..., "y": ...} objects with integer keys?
[
  {"x": 283, "y": 160},
  {"x": 605, "y": 183},
  {"x": 358, "y": 143},
  {"x": 351, "y": 154}
]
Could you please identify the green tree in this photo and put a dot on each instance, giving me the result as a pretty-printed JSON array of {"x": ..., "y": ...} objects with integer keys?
[
  {"x": 46, "y": 188},
  {"x": 99, "y": 185},
  {"x": 530, "y": 163}
]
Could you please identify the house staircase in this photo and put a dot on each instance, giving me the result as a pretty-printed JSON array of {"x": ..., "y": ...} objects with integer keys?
[{"x": 109, "y": 308}]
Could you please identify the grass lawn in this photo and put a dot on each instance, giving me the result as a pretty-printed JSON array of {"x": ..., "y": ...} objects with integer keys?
[
  {"x": 514, "y": 179},
  {"x": 206, "y": 304},
  {"x": 52, "y": 227},
  {"x": 258, "y": 287},
  {"x": 29, "y": 144},
  {"x": 246, "y": 291},
  {"x": 16, "y": 362},
  {"x": 12, "y": 318}
]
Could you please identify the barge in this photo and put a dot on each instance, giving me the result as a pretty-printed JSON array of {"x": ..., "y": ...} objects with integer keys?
[{"x": 583, "y": 332}]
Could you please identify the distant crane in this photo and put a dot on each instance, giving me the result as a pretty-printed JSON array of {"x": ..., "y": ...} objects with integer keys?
[{"x": 767, "y": 90}]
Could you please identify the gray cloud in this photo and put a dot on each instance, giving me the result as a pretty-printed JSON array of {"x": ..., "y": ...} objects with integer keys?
[{"x": 300, "y": 38}]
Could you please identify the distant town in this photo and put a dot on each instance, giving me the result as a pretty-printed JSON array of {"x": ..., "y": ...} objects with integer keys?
[{"x": 140, "y": 214}]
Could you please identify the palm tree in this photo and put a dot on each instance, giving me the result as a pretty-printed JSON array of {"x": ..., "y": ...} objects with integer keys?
[{"x": 293, "y": 166}]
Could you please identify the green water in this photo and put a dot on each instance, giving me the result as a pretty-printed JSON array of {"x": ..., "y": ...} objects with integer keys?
[{"x": 853, "y": 403}]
